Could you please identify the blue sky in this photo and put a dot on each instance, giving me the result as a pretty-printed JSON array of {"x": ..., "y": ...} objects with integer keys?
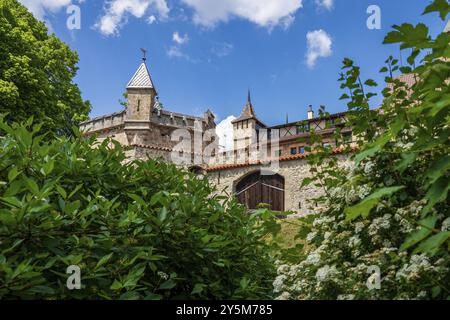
[{"x": 206, "y": 53}]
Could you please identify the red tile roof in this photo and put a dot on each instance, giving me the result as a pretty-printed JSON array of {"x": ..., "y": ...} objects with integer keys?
[{"x": 221, "y": 167}]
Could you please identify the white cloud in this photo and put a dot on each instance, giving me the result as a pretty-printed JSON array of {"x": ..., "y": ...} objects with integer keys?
[
  {"x": 118, "y": 11},
  {"x": 265, "y": 13},
  {"x": 318, "y": 46},
  {"x": 39, "y": 8},
  {"x": 175, "y": 52},
  {"x": 224, "y": 131},
  {"x": 178, "y": 39},
  {"x": 327, "y": 4},
  {"x": 151, "y": 19},
  {"x": 222, "y": 49}
]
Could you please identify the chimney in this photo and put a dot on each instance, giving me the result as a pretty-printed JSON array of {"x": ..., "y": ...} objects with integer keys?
[{"x": 310, "y": 113}]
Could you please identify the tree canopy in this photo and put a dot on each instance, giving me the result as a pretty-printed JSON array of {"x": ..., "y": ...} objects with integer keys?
[{"x": 36, "y": 72}]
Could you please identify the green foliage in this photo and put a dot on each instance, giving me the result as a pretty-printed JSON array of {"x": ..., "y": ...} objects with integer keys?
[
  {"x": 137, "y": 230},
  {"x": 36, "y": 72},
  {"x": 391, "y": 208}
]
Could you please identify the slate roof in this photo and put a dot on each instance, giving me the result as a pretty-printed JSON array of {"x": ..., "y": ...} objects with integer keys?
[
  {"x": 141, "y": 79},
  {"x": 248, "y": 113}
]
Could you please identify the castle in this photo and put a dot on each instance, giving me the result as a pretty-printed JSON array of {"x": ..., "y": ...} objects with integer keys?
[{"x": 266, "y": 165}]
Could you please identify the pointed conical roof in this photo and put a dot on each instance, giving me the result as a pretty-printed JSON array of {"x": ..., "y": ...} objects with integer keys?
[
  {"x": 141, "y": 79},
  {"x": 447, "y": 27},
  {"x": 248, "y": 112}
]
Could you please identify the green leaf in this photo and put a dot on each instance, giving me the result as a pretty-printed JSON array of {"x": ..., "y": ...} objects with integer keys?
[
  {"x": 410, "y": 36},
  {"x": 167, "y": 285},
  {"x": 137, "y": 198},
  {"x": 431, "y": 245},
  {"x": 61, "y": 191},
  {"x": 437, "y": 193},
  {"x": 198, "y": 288},
  {"x": 153, "y": 296},
  {"x": 12, "y": 174},
  {"x": 162, "y": 215},
  {"x": 370, "y": 83},
  {"x": 373, "y": 148},
  {"x": 438, "y": 168},
  {"x": 305, "y": 182},
  {"x": 407, "y": 160},
  {"x": 7, "y": 217},
  {"x": 77, "y": 188},
  {"x": 364, "y": 207},
  {"x": 72, "y": 207},
  {"x": 32, "y": 185},
  {"x": 134, "y": 276},
  {"x": 12, "y": 201},
  {"x": 104, "y": 260},
  {"x": 48, "y": 167},
  {"x": 415, "y": 237},
  {"x": 116, "y": 285},
  {"x": 441, "y": 6},
  {"x": 42, "y": 290}
]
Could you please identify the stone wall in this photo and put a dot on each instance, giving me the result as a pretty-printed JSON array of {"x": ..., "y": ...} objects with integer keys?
[
  {"x": 293, "y": 171},
  {"x": 140, "y": 103}
]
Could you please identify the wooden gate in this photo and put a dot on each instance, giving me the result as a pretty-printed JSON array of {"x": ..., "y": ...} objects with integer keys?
[{"x": 255, "y": 189}]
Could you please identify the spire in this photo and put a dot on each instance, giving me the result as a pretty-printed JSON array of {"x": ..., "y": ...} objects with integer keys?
[
  {"x": 248, "y": 112},
  {"x": 141, "y": 79},
  {"x": 447, "y": 27}
]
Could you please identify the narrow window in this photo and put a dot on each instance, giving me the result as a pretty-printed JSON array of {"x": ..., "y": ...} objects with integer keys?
[
  {"x": 301, "y": 150},
  {"x": 293, "y": 151},
  {"x": 139, "y": 106}
]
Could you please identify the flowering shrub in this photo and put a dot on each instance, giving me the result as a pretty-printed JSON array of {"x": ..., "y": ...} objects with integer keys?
[
  {"x": 341, "y": 252},
  {"x": 384, "y": 230}
]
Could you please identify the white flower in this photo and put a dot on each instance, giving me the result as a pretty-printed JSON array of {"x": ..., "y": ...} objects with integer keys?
[
  {"x": 359, "y": 226},
  {"x": 446, "y": 225},
  {"x": 354, "y": 241},
  {"x": 326, "y": 273},
  {"x": 163, "y": 275},
  {"x": 283, "y": 269},
  {"x": 284, "y": 296},
  {"x": 368, "y": 168},
  {"x": 310, "y": 237},
  {"x": 313, "y": 259},
  {"x": 278, "y": 283}
]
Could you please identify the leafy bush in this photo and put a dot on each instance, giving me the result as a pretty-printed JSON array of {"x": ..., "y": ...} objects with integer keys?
[
  {"x": 390, "y": 209},
  {"x": 137, "y": 230}
]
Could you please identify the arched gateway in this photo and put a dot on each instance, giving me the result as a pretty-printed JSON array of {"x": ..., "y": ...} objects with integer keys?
[{"x": 256, "y": 188}]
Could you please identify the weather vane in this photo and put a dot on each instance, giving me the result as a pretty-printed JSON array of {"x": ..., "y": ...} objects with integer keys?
[{"x": 144, "y": 52}]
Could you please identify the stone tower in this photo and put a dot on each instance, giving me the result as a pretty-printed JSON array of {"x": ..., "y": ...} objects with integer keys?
[
  {"x": 246, "y": 127},
  {"x": 141, "y": 99}
]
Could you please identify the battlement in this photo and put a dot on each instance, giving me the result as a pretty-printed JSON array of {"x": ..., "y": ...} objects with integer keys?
[{"x": 97, "y": 124}]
